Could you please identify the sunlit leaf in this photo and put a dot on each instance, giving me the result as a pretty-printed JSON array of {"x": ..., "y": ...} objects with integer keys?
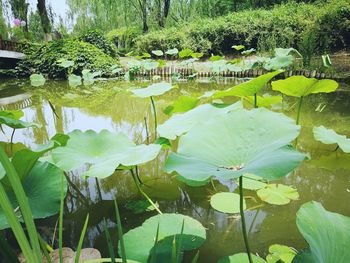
[
  {"x": 172, "y": 52},
  {"x": 328, "y": 136},
  {"x": 226, "y": 202},
  {"x": 74, "y": 80},
  {"x": 280, "y": 253},
  {"x": 37, "y": 80},
  {"x": 185, "y": 53},
  {"x": 158, "y": 53},
  {"x": 278, "y": 194},
  {"x": 238, "y": 47},
  {"x": 153, "y": 90},
  {"x": 182, "y": 104}
]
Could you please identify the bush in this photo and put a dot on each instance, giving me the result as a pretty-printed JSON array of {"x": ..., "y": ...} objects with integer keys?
[
  {"x": 44, "y": 59},
  {"x": 286, "y": 25},
  {"x": 97, "y": 39},
  {"x": 124, "y": 38}
]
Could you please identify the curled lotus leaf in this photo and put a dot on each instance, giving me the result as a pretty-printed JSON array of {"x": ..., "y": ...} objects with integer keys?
[
  {"x": 152, "y": 90},
  {"x": 237, "y": 143},
  {"x": 328, "y": 136},
  {"x": 103, "y": 152}
]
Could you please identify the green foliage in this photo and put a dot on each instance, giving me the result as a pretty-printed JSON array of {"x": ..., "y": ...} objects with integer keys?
[
  {"x": 124, "y": 38},
  {"x": 97, "y": 39},
  {"x": 45, "y": 59}
]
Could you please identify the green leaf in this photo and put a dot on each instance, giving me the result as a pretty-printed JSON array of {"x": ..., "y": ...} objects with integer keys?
[
  {"x": 42, "y": 187},
  {"x": 37, "y": 80},
  {"x": 277, "y": 63},
  {"x": 64, "y": 63},
  {"x": 264, "y": 101},
  {"x": 89, "y": 76},
  {"x": 300, "y": 86},
  {"x": 139, "y": 206},
  {"x": 185, "y": 53},
  {"x": 161, "y": 63},
  {"x": 182, "y": 104},
  {"x": 237, "y": 143},
  {"x": 215, "y": 58},
  {"x": 153, "y": 90},
  {"x": 280, "y": 252},
  {"x": 278, "y": 194},
  {"x": 326, "y": 60},
  {"x": 282, "y": 52},
  {"x": 179, "y": 124},
  {"x": 238, "y": 47},
  {"x": 241, "y": 258},
  {"x": 140, "y": 241},
  {"x": 248, "y": 88},
  {"x": 74, "y": 80},
  {"x": 226, "y": 202},
  {"x": 103, "y": 152},
  {"x": 150, "y": 64},
  {"x": 197, "y": 55},
  {"x": 248, "y": 51},
  {"x": 327, "y": 234},
  {"x": 328, "y": 136},
  {"x": 158, "y": 53},
  {"x": 11, "y": 119},
  {"x": 172, "y": 52},
  {"x": 252, "y": 182}
]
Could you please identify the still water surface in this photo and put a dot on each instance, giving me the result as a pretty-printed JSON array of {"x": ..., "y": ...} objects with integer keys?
[{"x": 105, "y": 105}]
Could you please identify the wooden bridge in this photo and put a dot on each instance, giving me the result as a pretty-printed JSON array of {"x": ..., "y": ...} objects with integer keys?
[{"x": 10, "y": 53}]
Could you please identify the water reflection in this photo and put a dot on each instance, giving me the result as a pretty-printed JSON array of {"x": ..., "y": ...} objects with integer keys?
[{"x": 107, "y": 105}]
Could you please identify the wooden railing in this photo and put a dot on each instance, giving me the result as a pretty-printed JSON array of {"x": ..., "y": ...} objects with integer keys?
[{"x": 10, "y": 45}]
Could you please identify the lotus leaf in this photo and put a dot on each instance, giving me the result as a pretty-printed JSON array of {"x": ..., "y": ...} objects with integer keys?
[
  {"x": 279, "y": 62},
  {"x": 327, "y": 234},
  {"x": 328, "y": 136},
  {"x": 241, "y": 258},
  {"x": 278, "y": 194},
  {"x": 249, "y": 88},
  {"x": 281, "y": 52},
  {"x": 179, "y": 124},
  {"x": 150, "y": 64},
  {"x": 104, "y": 152},
  {"x": 172, "y": 51},
  {"x": 238, "y": 47},
  {"x": 74, "y": 80},
  {"x": 264, "y": 101},
  {"x": 197, "y": 55},
  {"x": 158, "y": 53},
  {"x": 12, "y": 119},
  {"x": 183, "y": 104},
  {"x": 300, "y": 86},
  {"x": 64, "y": 63},
  {"x": 153, "y": 90},
  {"x": 280, "y": 253},
  {"x": 237, "y": 143},
  {"x": 139, "y": 241},
  {"x": 89, "y": 76},
  {"x": 252, "y": 182},
  {"x": 43, "y": 189},
  {"x": 226, "y": 202},
  {"x": 37, "y": 80},
  {"x": 185, "y": 53}
]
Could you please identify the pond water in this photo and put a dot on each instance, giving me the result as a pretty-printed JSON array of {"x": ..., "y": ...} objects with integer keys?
[{"x": 105, "y": 105}]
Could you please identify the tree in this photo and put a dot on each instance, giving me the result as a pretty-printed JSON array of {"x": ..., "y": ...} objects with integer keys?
[
  {"x": 20, "y": 10},
  {"x": 44, "y": 18}
]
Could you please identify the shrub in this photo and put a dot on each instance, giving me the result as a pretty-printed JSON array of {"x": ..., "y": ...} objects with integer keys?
[
  {"x": 44, "y": 59},
  {"x": 124, "y": 38},
  {"x": 97, "y": 39}
]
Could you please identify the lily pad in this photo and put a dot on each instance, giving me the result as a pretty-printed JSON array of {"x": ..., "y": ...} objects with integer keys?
[
  {"x": 103, "y": 152},
  {"x": 179, "y": 124},
  {"x": 279, "y": 253},
  {"x": 153, "y": 90},
  {"x": 140, "y": 241},
  {"x": 248, "y": 88},
  {"x": 237, "y": 143},
  {"x": 300, "y": 86},
  {"x": 37, "y": 80},
  {"x": 327, "y": 234},
  {"x": 43, "y": 189},
  {"x": 328, "y": 136},
  {"x": 278, "y": 194},
  {"x": 74, "y": 80},
  {"x": 226, "y": 202},
  {"x": 241, "y": 258}
]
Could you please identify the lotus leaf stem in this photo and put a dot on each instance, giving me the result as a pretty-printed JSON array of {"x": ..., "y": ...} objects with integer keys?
[
  {"x": 255, "y": 101},
  {"x": 244, "y": 228},
  {"x": 146, "y": 127},
  {"x": 155, "y": 118},
  {"x": 299, "y": 109}
]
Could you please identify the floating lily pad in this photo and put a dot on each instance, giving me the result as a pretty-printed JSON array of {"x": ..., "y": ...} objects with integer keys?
[
  {"x": 140, "y": 241},
  {"x": 300, "y": 86},
  {"x": 248, "y": 88},
  {"x": 153, "y": 90},
  {"x": 237, "y": 143},
  {"x": 37, "y": 80},
  {"x": 327, "y": 234},
  {"x": 241, "y": 258},
  {"x": 179, "y": 124},
  {"x": 279, "y": 253},
  {"x": 328, "y": 136},
  {"x": 103, "y": 152},
  {"x": 226, "y": 202},
  {"x": 278, "y": 194},
  {"x": 43, "y": 188},
  {"x": 74, "y": 80}
]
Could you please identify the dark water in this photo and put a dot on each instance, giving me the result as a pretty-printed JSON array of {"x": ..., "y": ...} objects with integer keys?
[{"x": 104, "y": 105}]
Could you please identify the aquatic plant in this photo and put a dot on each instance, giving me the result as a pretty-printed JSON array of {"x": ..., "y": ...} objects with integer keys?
[
  {"x": 37, "y": 80},
  {"x": 328, "y": 136}
]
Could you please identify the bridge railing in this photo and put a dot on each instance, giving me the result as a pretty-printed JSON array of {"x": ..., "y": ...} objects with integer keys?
[{"x": 10, "y": 45}]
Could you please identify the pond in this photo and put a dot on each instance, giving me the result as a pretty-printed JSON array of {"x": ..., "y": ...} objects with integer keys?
[{"x": 106, "y": 105}]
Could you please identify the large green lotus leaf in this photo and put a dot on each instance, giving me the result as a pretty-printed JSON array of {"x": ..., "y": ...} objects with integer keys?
[
  {"x": 179, "y": 124},
  {"x": 279, "y": 62},
  {"x": 300, "y": 86},
  {"x": 252, "y": 182},
  {"x": 173, "y": 51},
  {"x": 226, "y": 202},
  {"x": 327, "y": 234},
  {"x": 74, "y": 80},
  {"x": 241, "y": 258},
  {"x": 248, "y": 88},
  {"x": 153, "y": 90},
  {"x": 139, "y": 241},
  {"x": 43, "y": 189},
  {"x": 37, "y": 80},
  {"x": 183, "y": 104},
  {"x": 12, "y": 119},
  {"x": 237, "y": 143},
  {"x": 280, "y": 253},
  {"x": 278, "y": 194},
  {"x": 264, "y": 101},
  {"x": 328, "y": 136},
  {"x": 103, "y": 151}
]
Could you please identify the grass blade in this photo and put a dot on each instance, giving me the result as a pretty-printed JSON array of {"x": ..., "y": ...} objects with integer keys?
[
  {"x": 81, "y": 240},
  {"x": 109, "y": 242},
  {"x": 45, "y": 248},
  {"x": 22, "y": 201},
  {"x": 60, "y": 224},
  {"x": 196, "y": 257},
  {"x": 154, "y": 251},
  {"x": 174, "y": 251},
  {"x": 120, "y": 233},
  {"x": 178, "y": 251}
]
